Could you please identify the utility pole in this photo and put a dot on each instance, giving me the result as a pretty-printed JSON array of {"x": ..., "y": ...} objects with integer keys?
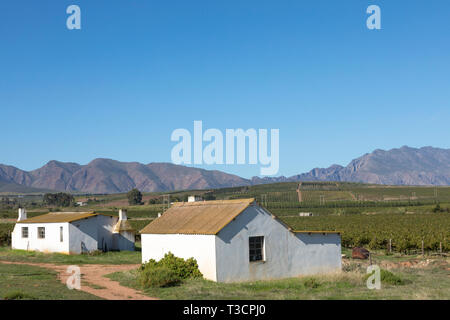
[
  {"x": 299, "y": 192},
  {"x": 166, "y": 200},
  {"x": 264, "y": 200}
]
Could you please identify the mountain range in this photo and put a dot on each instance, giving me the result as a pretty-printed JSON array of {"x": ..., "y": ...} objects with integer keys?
[{"x": 402, "y": 166}]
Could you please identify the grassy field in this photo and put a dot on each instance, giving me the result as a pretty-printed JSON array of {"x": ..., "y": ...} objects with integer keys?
[
  {"x": 122, "y": 257},
  {"x": 429, "y": 282},
  {"x": 421, "y": 278},
  {"x": 30, "y": 282}
]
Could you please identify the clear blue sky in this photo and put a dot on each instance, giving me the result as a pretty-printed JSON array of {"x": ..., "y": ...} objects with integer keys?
[{"x": 140, "y": 69}]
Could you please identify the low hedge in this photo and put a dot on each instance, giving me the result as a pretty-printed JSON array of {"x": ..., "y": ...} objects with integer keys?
[{"x": 168, "y": 271}]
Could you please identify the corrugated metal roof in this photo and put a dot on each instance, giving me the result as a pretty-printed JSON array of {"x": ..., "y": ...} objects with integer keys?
[
  {"x": 206, "y": 217},
  {"x": 59, "y": 217}
]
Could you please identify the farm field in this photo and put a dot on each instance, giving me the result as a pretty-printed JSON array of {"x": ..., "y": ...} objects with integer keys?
[
  {"x": 416, "y": 278},
  {"x": 406, "y": 231},
  {"x": 368, "y": 215}
]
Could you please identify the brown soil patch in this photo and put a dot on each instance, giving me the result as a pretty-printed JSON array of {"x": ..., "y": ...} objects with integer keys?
[{"x": 93, "y": 275}]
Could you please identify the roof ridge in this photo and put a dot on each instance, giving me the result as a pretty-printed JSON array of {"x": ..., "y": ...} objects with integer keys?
[{"x": 213, "y": 202}]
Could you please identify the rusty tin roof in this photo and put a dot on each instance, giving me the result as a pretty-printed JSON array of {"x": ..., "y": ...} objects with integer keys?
[
  {"x": 203, "y": 217},
  {"x": 60, "y": 217}
]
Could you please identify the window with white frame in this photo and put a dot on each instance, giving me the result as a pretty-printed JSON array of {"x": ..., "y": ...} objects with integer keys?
[
  {"x": 61, "y": 235},
  {"x": 41, "y": 232},
  {"x": 24, "y": 232},
  {"x": 256, "y": 246}
]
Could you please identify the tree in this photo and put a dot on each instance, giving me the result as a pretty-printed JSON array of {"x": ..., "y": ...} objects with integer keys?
[
  {"x": 59, "y": 199},
  {"x": 209, "y": 196},
  {"x": 134, "y": 197}
]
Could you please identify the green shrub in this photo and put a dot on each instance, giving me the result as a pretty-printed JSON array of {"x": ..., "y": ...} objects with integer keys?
[
  {"x": 168, "y": 271},
  {"x": 311, "y": 283},
  {"x": 158, "y": 276},
  {"x": 5, "y": 233},
  {"x": 390, "y": 278},
  {"x": 17, "y": 295},
  {"x": 185, "y": 269},
  {"x": 387, "y": 277},
  {"x": 93, "y": 253}
]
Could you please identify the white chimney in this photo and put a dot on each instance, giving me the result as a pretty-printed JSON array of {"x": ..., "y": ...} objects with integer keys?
[
  {"x": 122, "y": 214},
  {"x": 22, "y": 214}
]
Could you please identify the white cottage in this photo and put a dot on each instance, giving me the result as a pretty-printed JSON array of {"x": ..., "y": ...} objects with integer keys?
[
  {"x": 72, "y": 232},
  {"x": 237, "y": 240}
]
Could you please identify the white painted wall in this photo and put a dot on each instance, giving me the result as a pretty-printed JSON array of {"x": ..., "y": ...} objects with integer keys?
[
  {"x": 285, "y": 254},
  {"x": 105, "y": 225},
  {"x": 51, "y": 243},
  {"x": 200, "y": 247},
  {"x": 83, "y": 235},
  {"x": 94, "y": 233}
]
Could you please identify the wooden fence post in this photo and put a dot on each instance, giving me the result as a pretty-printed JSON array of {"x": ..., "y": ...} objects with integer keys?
[
  {"x": 422, "y": 249},
  {"x": 440, "y": 247},
  {"x": 390, "y": 245}
]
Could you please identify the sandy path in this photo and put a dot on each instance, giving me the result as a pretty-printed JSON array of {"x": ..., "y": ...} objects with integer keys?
[{"x": 93, "y": 280}]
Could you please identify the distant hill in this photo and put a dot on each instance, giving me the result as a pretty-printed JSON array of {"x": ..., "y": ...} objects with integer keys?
[
  {"x": 403, "y": 166},
  {"x": 110, "y": 176},
  {"x": 10, "y": 187}
]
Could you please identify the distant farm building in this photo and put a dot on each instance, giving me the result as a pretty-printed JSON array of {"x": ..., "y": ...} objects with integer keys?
[
  {"x": 194, "y": 198},
  {"x": 237, "y": 240},
  {"x": 72, "y": 232},
  {"x": 305, "y": 214}
]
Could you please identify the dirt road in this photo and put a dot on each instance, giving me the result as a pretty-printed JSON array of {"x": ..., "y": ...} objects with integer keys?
[{"x": 93, "y": 280}]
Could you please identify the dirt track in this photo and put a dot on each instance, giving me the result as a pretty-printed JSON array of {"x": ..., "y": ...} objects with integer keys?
[{"x": 93, "y": 280}]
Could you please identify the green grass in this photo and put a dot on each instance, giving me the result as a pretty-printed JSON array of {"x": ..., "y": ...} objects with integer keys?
[
  {"x": 122, "y": 257},
  {"x": 30, "y": 282},
  {"x": 428, "y": 283}
]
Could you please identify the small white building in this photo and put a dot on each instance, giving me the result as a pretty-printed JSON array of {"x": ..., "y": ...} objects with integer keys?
[
  {"x": 305, "y": 214},
  {"x": 72, "y": 232},
  {"x": 81, "y": 203},
  {"x": 237, "y": 240},
  {"x": 194, "y": 198}
]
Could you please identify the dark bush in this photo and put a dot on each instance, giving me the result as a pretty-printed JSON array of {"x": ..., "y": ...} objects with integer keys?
[
  {"x": 387, "y": 277},
  {"x": 18, "y": 295},
  {"x": 179, "y": 268},
  {"x": 158, "y": 276},
  {"x": 5, "y": 233}
]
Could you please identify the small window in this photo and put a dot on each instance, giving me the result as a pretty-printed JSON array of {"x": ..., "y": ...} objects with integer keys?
[
  {"x": 41, "y": 232},
  {"x": 256, "y": 245},
  {"x": 61, "y": 237},
  {"x": 24, "y": 232}
]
